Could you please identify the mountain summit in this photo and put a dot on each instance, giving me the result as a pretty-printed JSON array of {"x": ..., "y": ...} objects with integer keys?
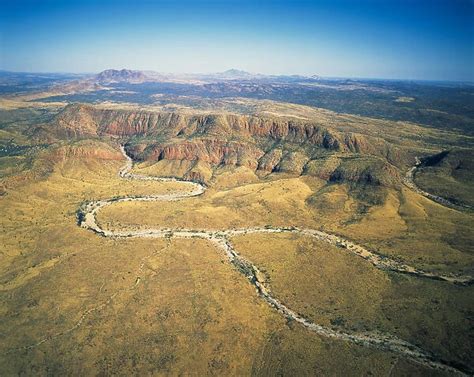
[
  {"x": 235, "y": 74},
  {"x": 123, "y": 75}
]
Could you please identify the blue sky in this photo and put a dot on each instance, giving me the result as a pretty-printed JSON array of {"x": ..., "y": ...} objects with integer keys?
[{"x": 411, "y": 39}]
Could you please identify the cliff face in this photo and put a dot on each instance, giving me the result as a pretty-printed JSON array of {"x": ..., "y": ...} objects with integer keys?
[
  {"x": 82, "y": 121},
  {"x": 211, "y": 151},
  {"x": 261, "y": 143}
]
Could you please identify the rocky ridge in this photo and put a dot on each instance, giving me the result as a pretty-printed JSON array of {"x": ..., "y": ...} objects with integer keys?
[{"x": 264, "y": 144}]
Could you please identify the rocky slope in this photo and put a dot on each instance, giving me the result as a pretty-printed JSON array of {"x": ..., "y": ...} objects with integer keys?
[{"x": 265, "y": 144}]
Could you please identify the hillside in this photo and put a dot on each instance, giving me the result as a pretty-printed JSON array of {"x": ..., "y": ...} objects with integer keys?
[
  {"x": 449, "y": 174},
  {"x": 263, "y": 144}
]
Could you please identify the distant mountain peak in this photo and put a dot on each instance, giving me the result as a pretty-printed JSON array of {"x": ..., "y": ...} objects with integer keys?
[
  {"x": 122, "y": 75},
  {"x": 235, "y": 73}
]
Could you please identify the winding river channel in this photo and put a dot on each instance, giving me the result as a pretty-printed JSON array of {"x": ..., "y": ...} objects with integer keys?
[{"x": 222, "y": 240}]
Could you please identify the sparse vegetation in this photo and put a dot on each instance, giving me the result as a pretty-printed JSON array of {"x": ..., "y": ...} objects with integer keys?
[{"x": 168, "y": 306}]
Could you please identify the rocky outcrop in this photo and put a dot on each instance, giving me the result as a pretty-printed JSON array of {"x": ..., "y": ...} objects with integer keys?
[
  {"x": 74, "y": 122},
  {"x": 270, "y": 160},
  {"x": 375, "y": 172},
  {"x": 267, "y": 144},
  {"x": 91, "y": 151},
  {"x": 84, "y": 121},
  {"x": 446, "y": 177},
  {"x": 211, "y": 151},
  {"x": 292, "y": 162}
]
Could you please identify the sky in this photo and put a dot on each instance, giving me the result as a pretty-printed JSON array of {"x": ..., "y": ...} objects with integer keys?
[{"x": 396, "y": 39}]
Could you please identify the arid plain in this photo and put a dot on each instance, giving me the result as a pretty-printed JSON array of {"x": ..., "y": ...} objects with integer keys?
[{"x": 151, "y": 290}]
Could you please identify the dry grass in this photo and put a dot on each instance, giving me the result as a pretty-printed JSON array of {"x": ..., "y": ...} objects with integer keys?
[
  {"x": 406, "y": 226},
  {"x": 150, "y": 307},
  {"x": 337, "y": 289}
]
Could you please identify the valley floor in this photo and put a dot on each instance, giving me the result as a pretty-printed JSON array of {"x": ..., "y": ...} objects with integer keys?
[{"x": 75, "y": 302}]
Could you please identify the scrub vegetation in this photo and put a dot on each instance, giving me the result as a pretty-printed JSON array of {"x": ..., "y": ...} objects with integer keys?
[{"x": 73, "y": 301}]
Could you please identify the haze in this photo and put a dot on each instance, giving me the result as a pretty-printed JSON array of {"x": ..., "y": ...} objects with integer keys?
[{"x": 379, "y": 39}]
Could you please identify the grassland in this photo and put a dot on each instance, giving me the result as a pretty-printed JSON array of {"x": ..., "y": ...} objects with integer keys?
[
  {"x": 443, "y": 243},
  {"x": 103, "y": 306},
  {"x": 312, "y": 278},
  {"x": 72, "y": 301}
]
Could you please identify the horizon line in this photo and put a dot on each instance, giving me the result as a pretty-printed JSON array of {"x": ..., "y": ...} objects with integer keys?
[{"x": 437, "y": 80}]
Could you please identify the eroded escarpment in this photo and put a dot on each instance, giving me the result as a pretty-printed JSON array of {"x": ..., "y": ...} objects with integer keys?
[
  {"x": 222, "y": 239},
  {"x": 202, "y": 144},
  {"x": 210, "y": 151},
  {"x": 263, "y": 144}
]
